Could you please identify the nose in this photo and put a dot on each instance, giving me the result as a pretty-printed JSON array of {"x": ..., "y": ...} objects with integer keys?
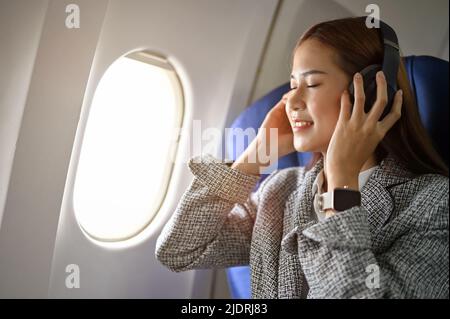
[{"x": 294, "y": 102}]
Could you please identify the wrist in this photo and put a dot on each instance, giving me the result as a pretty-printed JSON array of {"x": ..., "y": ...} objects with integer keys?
[
  {"x": 247, "y": 168},
  {"x": 329, "y": 213},
  {"x": 256, "y": 158},
  {"x": 249, "y": 162},
  {"x": 338, "y": 199},
  {"x": 339, "y": 182}
]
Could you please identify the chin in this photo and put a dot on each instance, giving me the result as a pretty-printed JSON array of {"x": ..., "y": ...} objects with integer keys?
[{"x": 301, "y": 146}]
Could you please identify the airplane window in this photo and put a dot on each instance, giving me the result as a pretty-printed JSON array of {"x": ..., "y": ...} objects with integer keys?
[{"x": 126, "y": 153}]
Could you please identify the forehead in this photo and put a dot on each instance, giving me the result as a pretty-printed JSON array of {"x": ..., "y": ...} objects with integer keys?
[{"x": 312, "y": 54}]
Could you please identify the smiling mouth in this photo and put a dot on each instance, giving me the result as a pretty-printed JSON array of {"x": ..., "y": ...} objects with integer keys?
[
  {"x": 300, "y": 126},
  {"x": 302, "y": 123}
]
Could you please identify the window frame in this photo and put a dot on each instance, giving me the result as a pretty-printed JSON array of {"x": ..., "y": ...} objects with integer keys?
[{"x": 160, "y": 61}]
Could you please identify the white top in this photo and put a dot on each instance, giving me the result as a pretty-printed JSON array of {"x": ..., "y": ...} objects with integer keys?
[{"x": 318, "y": 182}]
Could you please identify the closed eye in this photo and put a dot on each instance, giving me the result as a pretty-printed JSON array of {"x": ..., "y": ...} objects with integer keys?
[{"x": 308, "y": 86}]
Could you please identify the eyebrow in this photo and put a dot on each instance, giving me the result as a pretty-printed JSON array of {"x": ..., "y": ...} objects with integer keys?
[{"x": 305, "y": 74}]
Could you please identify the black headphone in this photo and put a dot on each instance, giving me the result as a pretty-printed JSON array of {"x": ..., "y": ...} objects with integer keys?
[{"x": 391, "y": 62}]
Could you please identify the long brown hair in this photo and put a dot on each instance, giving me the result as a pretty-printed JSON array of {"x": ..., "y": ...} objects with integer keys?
[{"x": 357, "y": 47}]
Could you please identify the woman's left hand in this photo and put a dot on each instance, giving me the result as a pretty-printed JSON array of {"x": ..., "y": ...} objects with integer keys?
[{"x": 357, "y": 135}]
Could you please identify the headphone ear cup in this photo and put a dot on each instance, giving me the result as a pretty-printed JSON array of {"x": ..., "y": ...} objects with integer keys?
[
  {"x": 390, "y": 93},
  {"x": 370, "y": 86}
]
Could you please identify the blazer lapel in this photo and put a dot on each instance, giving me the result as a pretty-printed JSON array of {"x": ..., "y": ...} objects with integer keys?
[
  {"x": 300, "y": 204},
  {"x": 375, "y": 195}
]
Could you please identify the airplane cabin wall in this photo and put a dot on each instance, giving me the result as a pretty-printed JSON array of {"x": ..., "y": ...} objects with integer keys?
[
  {"x": 44, "y": 144},
  {"x": 20, "y": 30}
]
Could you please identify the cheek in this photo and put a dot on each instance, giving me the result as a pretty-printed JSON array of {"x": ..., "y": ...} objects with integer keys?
[{"x": 326, "y": 108}]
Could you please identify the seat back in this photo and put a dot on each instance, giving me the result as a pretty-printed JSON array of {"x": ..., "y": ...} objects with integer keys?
[{"x": 429, "y": 80}]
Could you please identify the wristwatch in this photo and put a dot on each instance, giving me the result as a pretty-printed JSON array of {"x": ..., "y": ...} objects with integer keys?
[{"x": 339, "y": 199}]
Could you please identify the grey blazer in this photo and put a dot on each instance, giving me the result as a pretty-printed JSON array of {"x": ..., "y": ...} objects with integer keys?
[{"x": 395, "y": 245}]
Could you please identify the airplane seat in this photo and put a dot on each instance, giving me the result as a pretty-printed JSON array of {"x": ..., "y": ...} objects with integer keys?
[{"x": 429, "y": 80}]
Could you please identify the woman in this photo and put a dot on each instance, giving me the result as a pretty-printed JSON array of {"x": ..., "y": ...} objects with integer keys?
[{"x": 393, "y": 245}]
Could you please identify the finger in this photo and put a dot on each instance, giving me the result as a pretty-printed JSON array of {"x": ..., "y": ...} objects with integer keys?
[
  {"x": 281, "y": 105},
  {"x": 286, "y": 96},
  {"x": 382, "y": 98},
  {"x": 360, "y": 97},
  {"x": 346, "y": 106},
  {"x": 394, "y": 115}
]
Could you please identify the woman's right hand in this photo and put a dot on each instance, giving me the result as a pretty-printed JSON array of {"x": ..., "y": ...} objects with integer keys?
[
  {"x": 277, "y": 119},
  {"x": 262, "y": 151}
]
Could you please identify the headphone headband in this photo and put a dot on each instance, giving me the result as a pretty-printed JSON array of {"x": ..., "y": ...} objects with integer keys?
[
  {"x": 389, "y": 66},
  {"x": 391, "y": 58}
]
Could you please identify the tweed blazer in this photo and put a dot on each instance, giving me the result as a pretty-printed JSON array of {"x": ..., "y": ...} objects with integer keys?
[{"x": 395, "y": 245}]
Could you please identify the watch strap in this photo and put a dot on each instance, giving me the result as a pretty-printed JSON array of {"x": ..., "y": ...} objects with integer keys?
[{"x": 326, "y": 201}]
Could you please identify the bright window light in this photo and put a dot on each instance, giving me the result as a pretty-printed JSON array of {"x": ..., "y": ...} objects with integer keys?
[{"x": 125, "y": 160}]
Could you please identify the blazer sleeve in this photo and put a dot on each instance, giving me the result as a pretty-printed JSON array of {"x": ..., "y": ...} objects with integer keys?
[
  {"x": 213, "y": 223},
  {"x": 339, "y": 262}
]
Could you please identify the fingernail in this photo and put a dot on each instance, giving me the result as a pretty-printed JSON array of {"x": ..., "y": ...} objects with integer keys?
[
  {"x": 358, "y": 76},
  {"x": 400, "y": 92},
  {"x": 380, "y": 74}
]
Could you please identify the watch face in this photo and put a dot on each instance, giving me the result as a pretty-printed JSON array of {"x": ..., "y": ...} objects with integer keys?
[{"x": 346, "y": 199}]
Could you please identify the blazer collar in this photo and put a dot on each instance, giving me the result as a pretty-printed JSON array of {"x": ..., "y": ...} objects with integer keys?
[{"x": 375, "y": 195}]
